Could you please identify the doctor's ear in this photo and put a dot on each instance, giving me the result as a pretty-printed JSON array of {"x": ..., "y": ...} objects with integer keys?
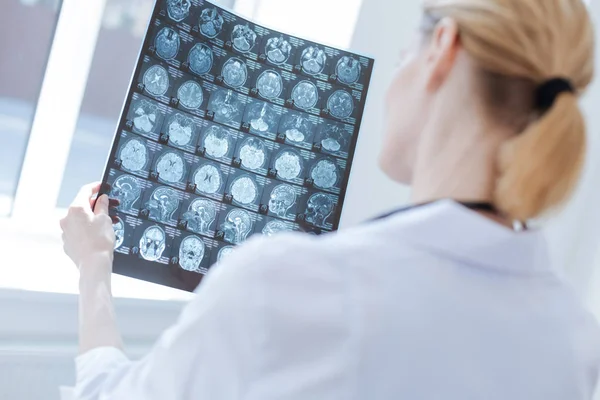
[{"x": 442, "y": 51}]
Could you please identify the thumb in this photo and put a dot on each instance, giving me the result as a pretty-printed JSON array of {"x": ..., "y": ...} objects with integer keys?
[{"x": 101, "y": 206}]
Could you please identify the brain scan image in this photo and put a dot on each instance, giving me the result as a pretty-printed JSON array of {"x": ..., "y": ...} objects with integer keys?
[
  {"x": 243, "y": 38},
  {"x": 305, "y": 94},
  {"x": 156, "y": 80},
  {"x": 253, "y": 153},
  {"x": 162, "y": 204},
  {"x": 224, "y": 252},
  {"x": 145, "y": 116},
  {"x": 180, "y": 129},
  {"x": 288, "y": 165},
  {"x": 324, "y": 174},
  {"x": 313, "y": 60},
  {"x": 191, "y": 253},
  {"x": 178, "y": 10},
  {"x": 348, "y": 70},
  {"x": 262, "y": 117},
  {"x": 119, "y": 229},
  {"x": 127, "y": 190},
  {"x": 273, "y": 227},
  {"x": 208, "y": 179},
  {"x": 340, "y": 104},
  {"x": 153, "y": 243},
  {"x": 226, "y": 106},
  {"x": 296, "y": 127},
  {"x": 133, "y": 155},
  {"x": 244, "y": 190},
  {"x": 269, "y": 84},
  {"x": 237, "y": 226},
  {"x": 278, "y": 50},
  {"x": 200, "y": 215},
  {"x": 234, "y": 72},
  {"x": 282, "y": 198},
  {"x": 216, "y": 141},
  {"x": 190, "y": 95},
  {"x": 211, "y": 22},
  {"x": 334, "y": 138},
  {"x": 166, "y": 43},
  {"x": 318, "y": 208},
  {"x": 170, "y": 167},
  {"x": 200, "y": 59}
]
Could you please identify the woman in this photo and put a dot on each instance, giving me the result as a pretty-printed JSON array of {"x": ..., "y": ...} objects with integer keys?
[{"x": 442, "y": 300}]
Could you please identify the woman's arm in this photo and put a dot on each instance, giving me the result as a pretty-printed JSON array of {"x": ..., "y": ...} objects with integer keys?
[{"x": 88, "y": 239}]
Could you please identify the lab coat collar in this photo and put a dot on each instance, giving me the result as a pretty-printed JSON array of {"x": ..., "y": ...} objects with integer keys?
[{"x": 453, "y": 230}]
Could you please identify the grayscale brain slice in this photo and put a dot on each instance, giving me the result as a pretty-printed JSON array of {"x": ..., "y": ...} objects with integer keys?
[
  {"x": 127, "y": 190},
  {"x": 313, "y": 60},
  {"x": 200, "y": 59},
  {"x": 243, "y": 38},
  {"x": 156, "y": 80},
  {"x": 237, "y": 226},
  {"x": 134, "y": 155},
  {"x": 288, "y": 165},
  {"x": 190, "y": 95},
  {"x": 211, "y": 22},
  {"x": 226, "y": 106},
  {"x": 333, "y": 138},
  {"x": 282, "y": 198},
  {"x": 324, "y": 174},
  {"x": 305, "y": 94},
  {"x": 253, "y": 153},
  {"x": 216, "y": 141},
  {"x": 224, "y": 253},
  {"x": 340, "y": 104},
  {"x": 162, "y": 204},
  {"x": 208, "y": 179},
  {"x": 318, "y": 208},
  {"x": 119, "y": 229},
  {"x": 178, "y": 10},
  {"x": 191, "y": 253},
  {"x": 180, "y": 129},
  {"x": 262, "y": 116},
  {"x": 269, "y": 84},
  {"x": 244, "y": 190},
  {"x": 200, "y": 215},
  {"x": 153, "y": 243},
  {"x": 296, "y": 127},
  {"x": 170, "y": 167},
  {"x": 278, "y": 50},
  {"x": 167, "y": 43},
  {"x": 145, "y": 115},
  {"x": 273, "y": 227},
  {"x": 235, "y": 72},
  {"x": 348, "y": 70}
]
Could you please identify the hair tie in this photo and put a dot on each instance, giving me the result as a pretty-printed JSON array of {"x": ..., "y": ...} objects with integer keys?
[{"x": 548, "y": 91}]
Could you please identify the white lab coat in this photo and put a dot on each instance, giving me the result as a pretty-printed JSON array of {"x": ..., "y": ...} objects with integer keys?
[{"x": 433, "y": 303}]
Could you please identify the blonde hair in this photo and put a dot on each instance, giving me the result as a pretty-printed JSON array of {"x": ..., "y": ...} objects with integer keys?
[{"x": 526, "y": 43}]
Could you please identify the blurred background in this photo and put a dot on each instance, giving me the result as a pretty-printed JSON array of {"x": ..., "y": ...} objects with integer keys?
[{"x": 65, "y": 67}]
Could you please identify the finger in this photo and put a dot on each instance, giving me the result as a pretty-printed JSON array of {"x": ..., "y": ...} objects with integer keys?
[
  {"x": 114, "y": 219},
  {"x": 85, "y": 194},
  {"x": 113, "y": 203},
  {"x": 101, "y": 205}
]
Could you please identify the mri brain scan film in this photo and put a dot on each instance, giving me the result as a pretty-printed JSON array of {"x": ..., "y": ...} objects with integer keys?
[
  {"x": 191, "y": 253},
  {"x": 229, "y": 129},
  {"x": 156, "y": 80},
  {"x": 180, "y": 129},
  {"x": 200, "y": 59},
  {"x": 243, "y": 38},
  {"x": 145, "y": 115},
  {"x": 208, "y": 179},
  {"x": 167, "y": 43},
  {"x": 190, "y": 95},
  {"x": 200, "y": 216},
  {"x": 305, "y": 94},
  {"x": 211, "y": 22},
  {"x": 178, "y": 10}
]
